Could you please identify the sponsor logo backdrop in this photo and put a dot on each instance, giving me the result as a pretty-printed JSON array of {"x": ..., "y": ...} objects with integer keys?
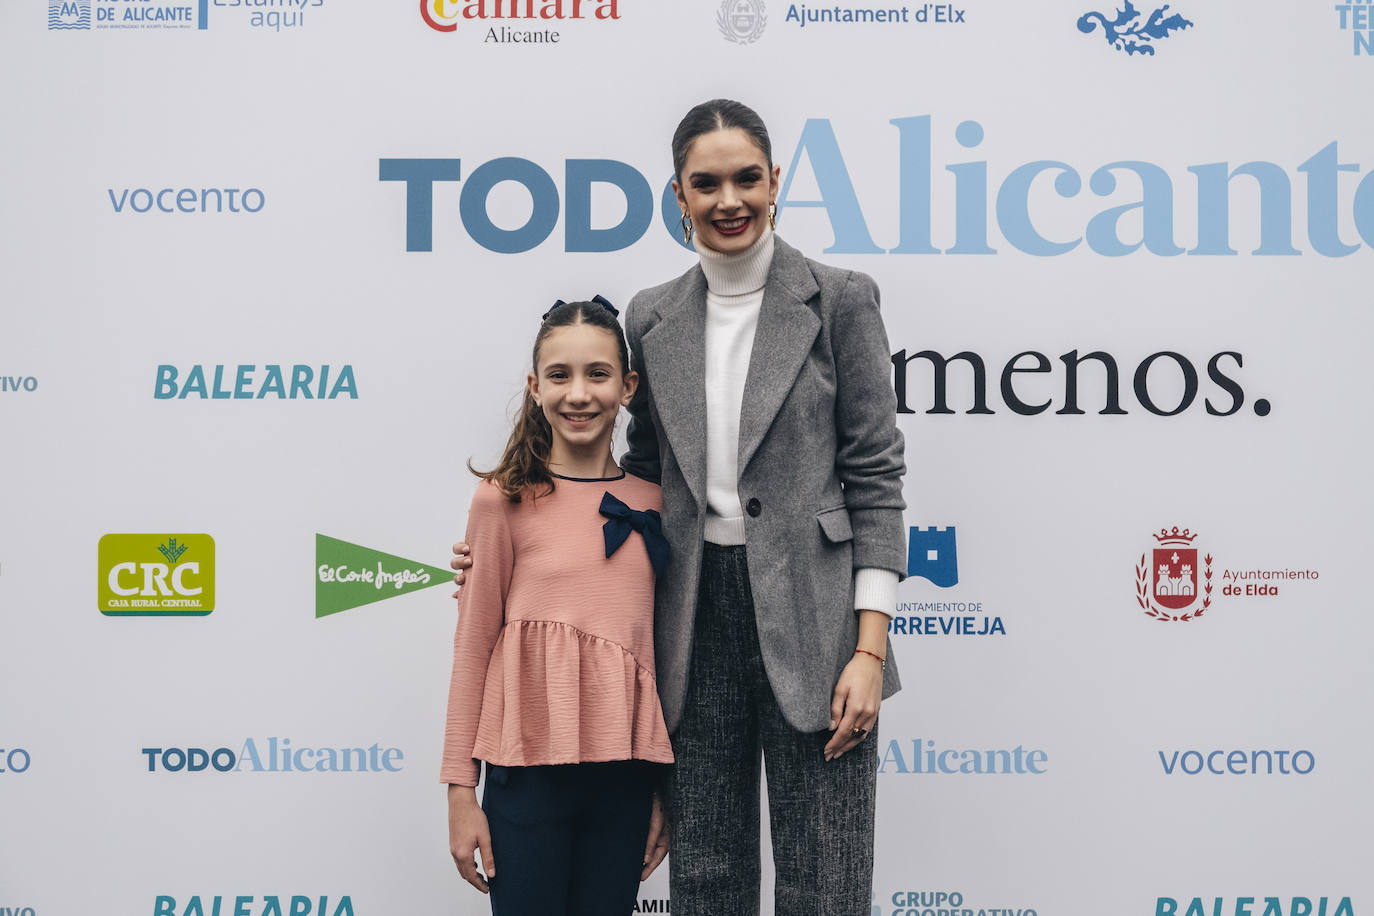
[{"x": 277, "y": 268}]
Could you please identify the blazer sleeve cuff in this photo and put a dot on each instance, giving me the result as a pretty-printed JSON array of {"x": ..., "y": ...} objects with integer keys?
[
  {"x": 875, "y": 590},
  {"x": 879, "y": 540}
]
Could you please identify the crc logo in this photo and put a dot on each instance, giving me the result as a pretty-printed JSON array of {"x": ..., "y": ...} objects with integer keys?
[
  {"x": 14, "y": 760},
  {"x": 1170, "y": 580},
  {"x": 156, "y": 575},
  {"x": 931, "y": 554},
  {"x": 742, "y": 21}
]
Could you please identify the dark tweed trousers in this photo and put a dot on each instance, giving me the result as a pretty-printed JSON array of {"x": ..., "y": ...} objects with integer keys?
[{"x": 820, "y": 814}]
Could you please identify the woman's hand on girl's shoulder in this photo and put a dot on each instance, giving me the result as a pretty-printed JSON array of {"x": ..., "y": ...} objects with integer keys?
[
  {"x": 460, "y": 562},
  {"x": 657, "y": 847},
  {"x": 468, "y": 833}
]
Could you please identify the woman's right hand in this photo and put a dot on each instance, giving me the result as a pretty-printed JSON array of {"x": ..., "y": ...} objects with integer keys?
[
  {"x": 468, "y": 833},
  {"x": 460, "y": 562}
]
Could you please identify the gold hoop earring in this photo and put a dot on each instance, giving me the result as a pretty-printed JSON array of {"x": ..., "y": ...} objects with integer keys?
[
  {"x": 772, "y": 215},
  {"x": 686, "y": 228}
]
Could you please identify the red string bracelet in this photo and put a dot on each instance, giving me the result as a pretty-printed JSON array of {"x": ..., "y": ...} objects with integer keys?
[{"x": 882, "y": 661}]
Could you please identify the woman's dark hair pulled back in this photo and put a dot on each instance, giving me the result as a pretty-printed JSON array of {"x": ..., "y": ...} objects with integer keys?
[
  {"x": 718, "y": 114},
  {"x": 524, "y": 465}
]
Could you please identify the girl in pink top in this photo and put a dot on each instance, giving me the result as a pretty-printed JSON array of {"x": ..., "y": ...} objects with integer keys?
[{"x": 553, "y": 664}]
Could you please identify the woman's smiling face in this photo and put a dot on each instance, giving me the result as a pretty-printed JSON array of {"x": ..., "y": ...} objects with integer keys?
[{"x": 725, "y": 186}]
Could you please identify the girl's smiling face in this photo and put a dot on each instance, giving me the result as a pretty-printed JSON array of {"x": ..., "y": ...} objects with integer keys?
[
  {"x": 580, "y": 386},
  {"x": 726, "y": 186}
]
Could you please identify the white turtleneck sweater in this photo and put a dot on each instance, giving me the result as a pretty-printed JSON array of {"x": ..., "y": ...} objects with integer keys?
[{"x": 734, "y": 295}]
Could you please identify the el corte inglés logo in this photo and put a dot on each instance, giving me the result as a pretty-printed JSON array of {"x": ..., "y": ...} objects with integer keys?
[
  {"x": 350, "y": 575},
  {"x": 156, "y": 575}
]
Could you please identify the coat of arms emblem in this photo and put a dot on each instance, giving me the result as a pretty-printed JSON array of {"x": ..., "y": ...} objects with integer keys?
[
  {"x": 741, "y": 21},
  {"x": 1170, "y": 582}
]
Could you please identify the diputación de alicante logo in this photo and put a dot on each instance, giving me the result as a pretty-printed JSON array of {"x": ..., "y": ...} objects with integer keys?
[
  {"x": 156, "y": 575},
  {"x": 1170, "y": 584},
  {"x": 350, "y": 575}
]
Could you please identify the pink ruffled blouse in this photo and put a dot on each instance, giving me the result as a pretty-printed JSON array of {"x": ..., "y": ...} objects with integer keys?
[{"x": 553, "y": 658}]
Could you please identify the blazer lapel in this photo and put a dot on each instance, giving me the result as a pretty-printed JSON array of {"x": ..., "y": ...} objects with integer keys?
[
  {"x": 787, "y": 328},
  {"x": 675, "y": 359}
]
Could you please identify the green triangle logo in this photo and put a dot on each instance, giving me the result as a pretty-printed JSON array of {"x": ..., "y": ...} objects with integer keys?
[{"x": 350, "y": 575}]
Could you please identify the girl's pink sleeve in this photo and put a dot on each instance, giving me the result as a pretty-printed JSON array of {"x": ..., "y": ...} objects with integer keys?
[{"x": 481, "y": 614}]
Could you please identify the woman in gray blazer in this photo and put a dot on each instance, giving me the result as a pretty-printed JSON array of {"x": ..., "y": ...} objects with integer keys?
[{"x": 766, "y": 413}]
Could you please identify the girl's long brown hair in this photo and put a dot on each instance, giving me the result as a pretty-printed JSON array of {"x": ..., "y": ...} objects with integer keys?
[{"x": 524, "y": 465}]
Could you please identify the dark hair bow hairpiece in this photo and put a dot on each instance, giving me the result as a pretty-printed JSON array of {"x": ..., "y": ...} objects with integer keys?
[
  {"x": 621, "y": 520},
  {"x": 598, "y": 299}
]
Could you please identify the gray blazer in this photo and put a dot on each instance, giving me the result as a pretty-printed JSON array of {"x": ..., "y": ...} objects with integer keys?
[{"x": 821, "y": 464}]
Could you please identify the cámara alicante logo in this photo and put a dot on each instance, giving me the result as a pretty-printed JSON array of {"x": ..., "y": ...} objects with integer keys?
[
  {"x": 444, "y": 15},
  {"x": 350, "y": 575}
]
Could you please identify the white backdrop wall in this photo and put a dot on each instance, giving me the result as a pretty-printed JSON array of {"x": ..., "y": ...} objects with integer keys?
[{"x": 972, "y": 167}]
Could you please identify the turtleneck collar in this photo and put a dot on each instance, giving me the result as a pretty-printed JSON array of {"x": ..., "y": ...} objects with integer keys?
[{"x": 738, "y": 274}]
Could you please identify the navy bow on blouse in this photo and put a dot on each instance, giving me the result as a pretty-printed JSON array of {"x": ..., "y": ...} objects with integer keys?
[{"x": 621, "y": 520}]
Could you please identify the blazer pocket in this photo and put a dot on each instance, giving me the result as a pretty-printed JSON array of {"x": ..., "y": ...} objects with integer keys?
[{"x": 835, "y": 523}]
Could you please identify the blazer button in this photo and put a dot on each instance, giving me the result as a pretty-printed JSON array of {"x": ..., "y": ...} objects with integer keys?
[{"x": 753, "y": 507}]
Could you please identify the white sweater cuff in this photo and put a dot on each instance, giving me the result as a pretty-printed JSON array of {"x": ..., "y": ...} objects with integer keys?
[
  {"x": 875, "y": 590},
  {"x": 727, "y": 532}
]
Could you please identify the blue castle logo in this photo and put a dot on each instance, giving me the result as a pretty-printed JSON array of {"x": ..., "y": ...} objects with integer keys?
[
  {"x": 931, "y": 555},
  {"x": 1127, "y": 33}
]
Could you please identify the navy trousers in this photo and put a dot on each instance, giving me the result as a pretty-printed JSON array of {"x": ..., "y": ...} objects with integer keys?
[{"x": 568, "y": 839}]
